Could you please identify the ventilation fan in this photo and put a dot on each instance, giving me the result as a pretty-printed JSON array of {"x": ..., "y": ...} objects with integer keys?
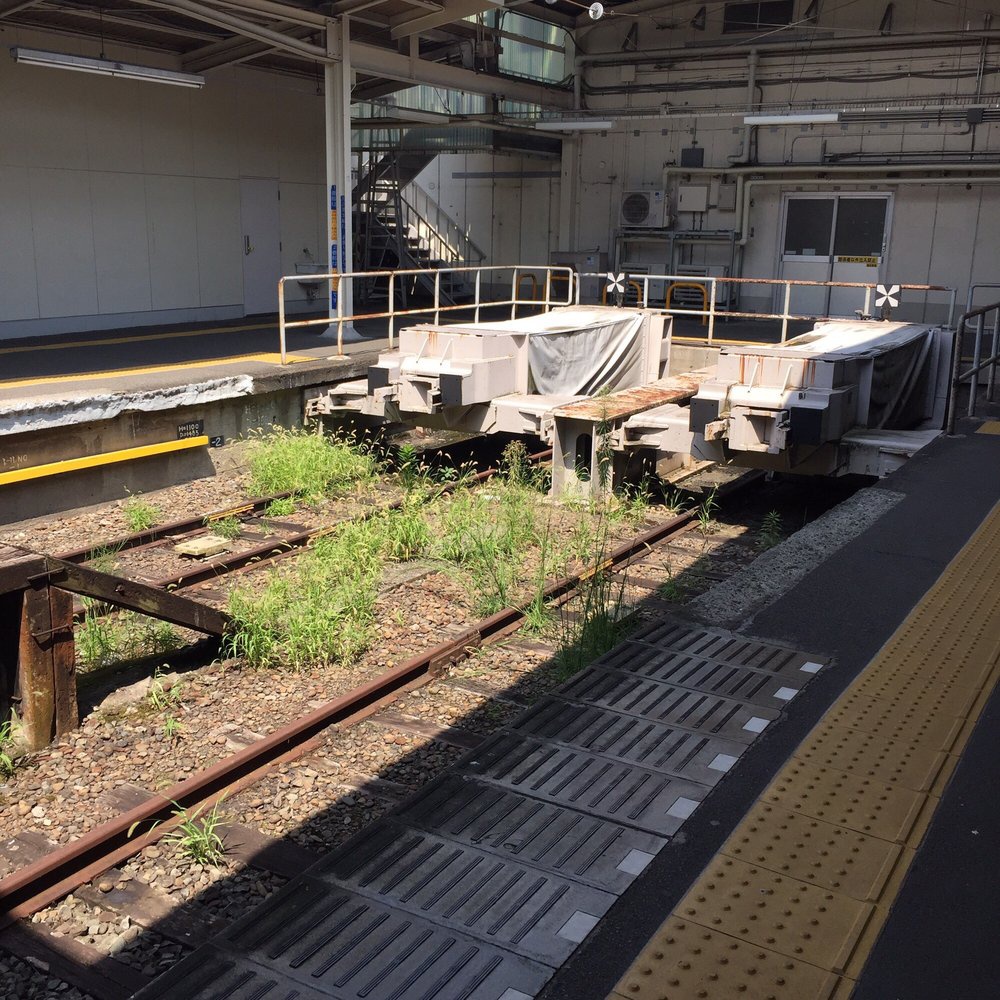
[{"x": 643, "y": 210}]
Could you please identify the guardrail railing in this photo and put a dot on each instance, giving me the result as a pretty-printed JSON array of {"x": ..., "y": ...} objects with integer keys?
[
  {"x": 868, "y": 296},
  {"x": 971, "y": 375},
  {"x": 543, "y": 294}
]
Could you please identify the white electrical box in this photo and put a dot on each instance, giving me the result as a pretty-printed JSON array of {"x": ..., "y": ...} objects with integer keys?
[{"x": 692, "y": 198}]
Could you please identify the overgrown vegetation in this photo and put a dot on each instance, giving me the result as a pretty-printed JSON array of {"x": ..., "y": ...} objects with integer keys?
[
  {"x": 770, "y": 532},
  {"x": 140, "y": 514},
  {"x": 706, "y": 513},
  {"x": 229, "y": 528},
  {"x": 406, "y": 531},
  {"x": 487, "y": 532},
  {"x": 320, "y": 609},
  {"x": 104, "y": 558},
  {"x": 126, "y": 635},
  {"x": 196, "y": 835},
  {"x": 160, "y": 696},
  {"x": 305, "y": 463},
  {"x": 282, "y": 507},
  {"x": 8, "y": 762},
  {"x": 172, "y": 727}
]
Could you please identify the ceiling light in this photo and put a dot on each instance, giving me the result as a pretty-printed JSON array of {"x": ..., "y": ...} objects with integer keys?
[
  {"x": 105, "y": 67},
  {"x": 573, "y": 125},
  {"x": 805, "y": 118}
]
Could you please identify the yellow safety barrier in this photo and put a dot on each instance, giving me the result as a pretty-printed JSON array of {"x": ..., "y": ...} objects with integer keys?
[
  {"x": 697, "y": 286},
  {"x": 634, "y": 284},
  {"x": 94, "y": 461},
  {"x": 534, "y": 285}
]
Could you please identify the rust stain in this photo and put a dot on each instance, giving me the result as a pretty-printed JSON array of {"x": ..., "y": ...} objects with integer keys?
[{"x": 675, "y": 389}]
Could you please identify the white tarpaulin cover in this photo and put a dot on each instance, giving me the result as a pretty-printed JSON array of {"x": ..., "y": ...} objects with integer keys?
[{"x": 577, "y": 350}]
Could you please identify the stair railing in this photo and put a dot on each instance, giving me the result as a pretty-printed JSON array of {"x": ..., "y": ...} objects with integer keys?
[{"x": 437, "y": 231}]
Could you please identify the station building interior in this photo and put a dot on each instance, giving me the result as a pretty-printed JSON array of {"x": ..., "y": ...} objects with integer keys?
[{"x": 654, "y": 240}]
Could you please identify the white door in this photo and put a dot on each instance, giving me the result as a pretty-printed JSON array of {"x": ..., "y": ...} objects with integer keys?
[
  {"x": 860, "y": 239},
  {"x": 836, "y": 237},
  {"x": 261, "y": 244}
]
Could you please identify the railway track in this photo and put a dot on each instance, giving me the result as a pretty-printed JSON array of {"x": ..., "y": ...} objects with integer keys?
[{"x": 91, "y": 867}]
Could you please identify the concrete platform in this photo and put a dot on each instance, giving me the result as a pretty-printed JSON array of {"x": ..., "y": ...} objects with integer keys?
[{"x": 68, "y": 397}]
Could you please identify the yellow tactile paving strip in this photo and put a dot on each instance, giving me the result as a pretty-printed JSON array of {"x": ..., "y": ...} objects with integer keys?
[
  {"x": 989, "y": 427},
  {"x": 793, "y": 903}
]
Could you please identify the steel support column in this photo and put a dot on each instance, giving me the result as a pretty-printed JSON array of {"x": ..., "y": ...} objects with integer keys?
[{"x": 338, "y": 164}]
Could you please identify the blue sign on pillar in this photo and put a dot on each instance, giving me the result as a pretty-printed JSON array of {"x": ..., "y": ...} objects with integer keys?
[{"x": 335, "y": 231}]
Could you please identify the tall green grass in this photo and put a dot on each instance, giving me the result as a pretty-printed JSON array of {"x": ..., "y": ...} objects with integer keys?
[
  {"x": 487, "y": 533},
  {"x": 305, "y": 463},
  {"x": 321, "y": 609},
  {"x": 125, "y": 635}
]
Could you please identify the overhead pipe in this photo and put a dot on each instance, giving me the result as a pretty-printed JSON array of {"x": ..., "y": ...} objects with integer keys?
[
  {"x": 815, "y": 46},
  {"x": 753, "y": 60}
]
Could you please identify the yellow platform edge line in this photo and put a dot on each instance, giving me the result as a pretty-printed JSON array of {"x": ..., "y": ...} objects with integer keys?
[
  {"x": 825, "y": 962},
  {"x": 95, "y": 461}
]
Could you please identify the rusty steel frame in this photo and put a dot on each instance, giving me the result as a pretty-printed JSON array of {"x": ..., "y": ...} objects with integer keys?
[
  {"x": 713, "y": 312},
  {"x": 47, "y": 880}
]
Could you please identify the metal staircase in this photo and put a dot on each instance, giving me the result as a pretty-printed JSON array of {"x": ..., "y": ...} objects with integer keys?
[{"x": 397, "y": 226}]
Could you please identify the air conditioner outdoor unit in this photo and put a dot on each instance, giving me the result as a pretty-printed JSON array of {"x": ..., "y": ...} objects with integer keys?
[{"x": 643, "y": 210}]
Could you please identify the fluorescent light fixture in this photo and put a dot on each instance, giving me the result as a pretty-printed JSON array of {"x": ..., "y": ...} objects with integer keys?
[
  {"x": 573, "y": 125},
  {"x": 805, "y": 118},
  {"x": 104, "y": 67}
]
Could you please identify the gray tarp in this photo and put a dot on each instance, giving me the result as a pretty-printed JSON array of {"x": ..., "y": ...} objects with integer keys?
[
  {"x": 575, "y": 351},
  {"x": 580, "y": 362}
]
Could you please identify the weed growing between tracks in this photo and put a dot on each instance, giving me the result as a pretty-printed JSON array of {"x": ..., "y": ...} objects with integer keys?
[
  {"x": 305, "y": 463},
  {"x": 105, "y": 639},
  {"x": 318, "y": 611},
  {"x": 140, "y": 514},
  {"x": 8, "y": 763},
  {"x": 196, "y": 835}
]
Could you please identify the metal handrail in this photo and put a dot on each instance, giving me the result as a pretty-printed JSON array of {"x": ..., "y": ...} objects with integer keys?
[
  {"x": 978, "y": 363},
  {"x": 712, "y": 312},
  {"x": 479, "y": 302},
  {"x": 458, "y": 243}
]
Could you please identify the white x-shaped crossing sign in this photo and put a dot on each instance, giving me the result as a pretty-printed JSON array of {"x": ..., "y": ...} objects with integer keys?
[
  {"x": 886, "y": 295},
  {"x": 616, "y": 282}
]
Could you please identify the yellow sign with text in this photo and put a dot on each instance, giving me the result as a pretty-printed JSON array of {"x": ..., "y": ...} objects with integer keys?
[{"x": 868, "y": 261}]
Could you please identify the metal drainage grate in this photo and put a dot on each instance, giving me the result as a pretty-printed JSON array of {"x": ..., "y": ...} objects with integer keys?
[
  {"x": 543, "y": 916},
  {"x": 627, "y": 794},
  {"x": 678, "y": 752},
  {"x": 701, "y": 712},
  {"x": 585, "y": 848}
]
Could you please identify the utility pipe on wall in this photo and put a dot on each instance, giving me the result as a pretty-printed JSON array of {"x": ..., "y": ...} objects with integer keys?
[{"x": 745, "y": 179}]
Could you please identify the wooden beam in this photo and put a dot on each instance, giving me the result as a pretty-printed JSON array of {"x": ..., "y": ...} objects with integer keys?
[
  {"x": 17, "y": 566},
  {"x": 35, "y": 675},
  {"x": 136, "y": 596},
  {"x": 10, "y": 632},
  {"x": 63, "y": 648}
]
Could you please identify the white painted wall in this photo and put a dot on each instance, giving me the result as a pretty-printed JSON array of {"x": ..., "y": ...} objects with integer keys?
[
  {"x": 120, "y": 200},
  {"x": 512, "y": 216},
  {"x": 941, "y": 234}
]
